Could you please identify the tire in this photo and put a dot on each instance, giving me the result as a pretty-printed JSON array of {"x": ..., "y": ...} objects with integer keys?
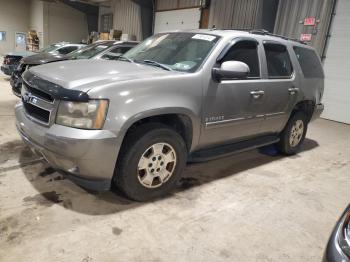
[
  {"x": 292, "y": 136},
  {"x": 148, "y": 142}
]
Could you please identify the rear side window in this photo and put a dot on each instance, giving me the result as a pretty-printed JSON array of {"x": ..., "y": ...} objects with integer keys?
[
  {"x": 278, "y": 61},
  {"x": 309, "y": 62},
  {"x": 246, "y": 52}
]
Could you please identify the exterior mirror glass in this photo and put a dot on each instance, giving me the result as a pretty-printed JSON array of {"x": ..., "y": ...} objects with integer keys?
[{"x": 231, "y": 70}]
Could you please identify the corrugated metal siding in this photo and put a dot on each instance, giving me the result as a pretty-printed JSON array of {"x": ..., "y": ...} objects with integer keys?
[
  {"x": 291, "y": 12},
  {"x": 174, "y": 4},
  {"x": 236, "y": 14},
  {"x": 127, "y": 17}
]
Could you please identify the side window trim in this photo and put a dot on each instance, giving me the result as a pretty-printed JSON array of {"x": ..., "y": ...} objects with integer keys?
[
  {"x": 271, "y": 42},
  {"x": 235, "y": 41}
]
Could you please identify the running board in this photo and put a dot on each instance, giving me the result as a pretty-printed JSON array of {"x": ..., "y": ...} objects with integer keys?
[{"x": 226, "y": 150}]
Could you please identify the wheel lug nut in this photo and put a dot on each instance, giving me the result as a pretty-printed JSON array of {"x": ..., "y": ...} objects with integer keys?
[
  {"x": 158, "y": 169},
  {"x": 150, "y": 164},
  {"x": 159, "y": 158},
  {"x": 161, "y": 163},
  {"x": 154, "y": 159},
  {"x": 152, "y": 170}
]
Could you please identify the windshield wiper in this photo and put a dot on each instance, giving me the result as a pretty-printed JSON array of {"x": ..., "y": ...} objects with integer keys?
[
  {"x": 124, "y": 58},
  {"x": 151, "y": 62}
]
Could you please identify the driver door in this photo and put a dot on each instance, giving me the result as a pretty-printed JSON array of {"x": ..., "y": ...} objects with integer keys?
[{"x": 232, "y": 108}]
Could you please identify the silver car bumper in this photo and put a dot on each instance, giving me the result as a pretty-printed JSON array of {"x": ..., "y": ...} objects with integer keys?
[{"x": 87, "y": 157}]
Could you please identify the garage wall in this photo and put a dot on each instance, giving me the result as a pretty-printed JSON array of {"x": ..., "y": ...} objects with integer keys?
[
  {"x": 64, "y": 23},
  {"x": 235, "y": 14},
  {"x": 162, "y": 5},
  {"x": 14, "y": 17},
  {"x": 291, "y": 12},
  {"x": 36, "y": 12},
  {"x": 127, "y": 17},
  {"x": 337, "y": 67}
]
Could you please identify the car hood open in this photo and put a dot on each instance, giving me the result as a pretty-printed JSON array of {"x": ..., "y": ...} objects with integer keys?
[{"x": 84, "y": 75}]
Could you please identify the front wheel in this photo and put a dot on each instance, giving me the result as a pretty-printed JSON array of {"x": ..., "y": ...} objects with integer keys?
[
  {"x": 293, "y": 134},
  {"x": 152, "y": 161}
]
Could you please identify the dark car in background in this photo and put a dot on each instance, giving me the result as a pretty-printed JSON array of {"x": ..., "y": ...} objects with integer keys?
[
  {"x": 108, "y": 50},
  {"x": 338, "y": 247},
  {"x": 12, "y": 60}
]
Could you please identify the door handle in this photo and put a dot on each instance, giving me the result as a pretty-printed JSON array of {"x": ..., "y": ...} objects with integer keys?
[
  {"x": 257, "y": 94},
  {"x": 293, "y": 90}
]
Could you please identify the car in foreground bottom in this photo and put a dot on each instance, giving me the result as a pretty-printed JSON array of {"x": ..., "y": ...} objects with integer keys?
[
  {"x": 338, "y": 247},
  {"x": 176, "y": 97}
]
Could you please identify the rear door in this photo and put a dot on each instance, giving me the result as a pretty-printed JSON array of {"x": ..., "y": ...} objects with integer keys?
[{"x": 281, "y": 87}]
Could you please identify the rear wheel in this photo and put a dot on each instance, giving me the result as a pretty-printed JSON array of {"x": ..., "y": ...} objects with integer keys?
[
  {"x": 152, "y": 161},
  {"x": 293, "y": 134}
]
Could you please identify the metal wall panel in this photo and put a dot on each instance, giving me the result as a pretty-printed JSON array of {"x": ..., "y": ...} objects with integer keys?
[
  {"x": 127, "y": 17},
  {"x": 291, "y": 14},
  {"x": 235, "y": 14}
]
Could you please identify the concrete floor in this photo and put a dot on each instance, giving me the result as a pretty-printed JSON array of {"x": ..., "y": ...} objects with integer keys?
[{"x": 248, "y": 207}]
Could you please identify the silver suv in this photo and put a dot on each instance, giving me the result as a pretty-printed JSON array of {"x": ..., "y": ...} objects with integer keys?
[{"x": 176, "y": 97}]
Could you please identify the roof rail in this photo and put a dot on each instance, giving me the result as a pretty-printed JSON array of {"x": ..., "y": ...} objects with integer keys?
[{"x": 265, "y": 32}]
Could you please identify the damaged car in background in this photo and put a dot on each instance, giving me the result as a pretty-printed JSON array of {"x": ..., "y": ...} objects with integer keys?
[{"x": 109, "y": 50}]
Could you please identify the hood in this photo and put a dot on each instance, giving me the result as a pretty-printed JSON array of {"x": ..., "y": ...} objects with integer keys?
[
  {"x": 43, "y": 58},
  {"x": 89, "y": 73},
  {"x": 21, "y": 53}
]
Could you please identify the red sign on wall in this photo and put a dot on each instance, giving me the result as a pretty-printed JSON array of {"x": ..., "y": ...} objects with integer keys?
[
  {"x": 305, "y": 37},
  {"x": 309, "y": 21}
]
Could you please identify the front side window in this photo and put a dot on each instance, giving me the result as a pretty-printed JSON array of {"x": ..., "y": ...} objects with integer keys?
[
  {"x": 50, "y": 48},
  {"x": 278, "y": 61},
  {"x": 246, "y": 52},
  {"x": 177, "y": 51}
]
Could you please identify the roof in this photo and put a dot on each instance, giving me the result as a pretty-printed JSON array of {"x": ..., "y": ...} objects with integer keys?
[{"x": 257, "y": 33}]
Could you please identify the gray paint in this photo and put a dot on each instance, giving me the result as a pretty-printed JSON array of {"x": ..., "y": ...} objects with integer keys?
[{"x": 219, "y": 112}]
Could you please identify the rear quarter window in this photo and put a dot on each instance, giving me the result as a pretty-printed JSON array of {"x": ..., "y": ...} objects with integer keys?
[{"x": 309, "y": 62}]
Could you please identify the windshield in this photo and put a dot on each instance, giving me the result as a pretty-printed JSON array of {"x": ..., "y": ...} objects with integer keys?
[
  {"x": 90, "y": 51},
  {"x": 49, "y": 48},
  {"x": 176, "y": 51}
]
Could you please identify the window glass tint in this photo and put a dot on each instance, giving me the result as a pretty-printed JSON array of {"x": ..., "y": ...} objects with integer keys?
[
  {"x": 66, "y": 50},
  {"x": 246, "y": 52},
  {"x": 115, "y": 53},
  {"x": 309, "y": 62},
  {"x": 278, "y": 61}
]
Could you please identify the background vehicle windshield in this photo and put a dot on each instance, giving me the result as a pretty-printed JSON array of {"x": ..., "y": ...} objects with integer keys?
[
  {"x": 90, "y": 51},
  {"x": 179, "y": 51}
]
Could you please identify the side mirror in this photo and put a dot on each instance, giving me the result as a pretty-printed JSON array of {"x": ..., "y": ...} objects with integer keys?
[{"x": 231, "y": 70}]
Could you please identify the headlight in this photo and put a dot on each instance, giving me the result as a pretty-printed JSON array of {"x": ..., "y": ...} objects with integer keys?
[{"x": 84, "y": 115}]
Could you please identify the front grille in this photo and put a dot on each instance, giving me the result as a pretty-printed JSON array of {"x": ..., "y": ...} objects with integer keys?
[
  {"x": 39, "y": 93},
  {"x": 36, "y": 112}
]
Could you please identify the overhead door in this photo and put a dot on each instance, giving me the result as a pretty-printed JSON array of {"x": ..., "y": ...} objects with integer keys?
[
  {"x": 177, "y": 19},
  {"x": 337, "y": 67}
]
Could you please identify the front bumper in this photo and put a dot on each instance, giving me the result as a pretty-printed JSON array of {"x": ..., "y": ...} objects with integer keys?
[
  {"x": 16, "y": 83},
  {"x": 333, "y": 252},
  {"x": 7, "y": 69},
  {"x": 317, "y": 111},
  {"x": 87, "y": 157}
]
